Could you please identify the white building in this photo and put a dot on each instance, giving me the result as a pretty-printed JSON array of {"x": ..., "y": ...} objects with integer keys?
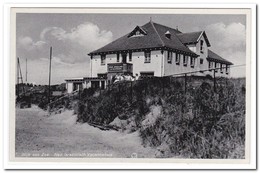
[{"x": 155, "y": 50}]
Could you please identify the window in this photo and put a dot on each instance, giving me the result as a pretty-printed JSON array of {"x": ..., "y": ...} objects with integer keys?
[
  {"x": 185, "y": 60},
  {"x": 216, "y": 67},
  {"x": 201, "y": 46},
  {"x": 227, "y": 69},
  {"x": 102, "y": 75},
  {"x": 192, "y": 61},
  {"x": 103, "y": 59},
  {"x": 177, "y": 60},
  {"x": 147, "y": 57},
  {"x": 210, "y": 65},
  {"x": 137, "y": 33},
  {"x": 201, "y": 61},
  {"x": 124, "y": 56},
  {"x": 147, "y": 74},
  {"x": 117, "y": 57},
  {"x": 130, "y": 56},
  {"x": 221, "y": 68},
  {"x": 169, "y": 58}
]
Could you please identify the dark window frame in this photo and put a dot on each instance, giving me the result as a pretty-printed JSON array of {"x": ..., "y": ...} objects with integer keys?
[
  {"x": 185, "y": 60},
  {"x": 210, "y": 65},
  {"x": 177, "y": 58},
  {"x": 221, "y": 68},
  {"x": 169, "y": 57},
  {"x": 201, "y": 60},
  {"x": 103, "y": 60},
  {"x": 147, "y": 57},
  {"x": 192, "y": 62},
  {"x": 216, "y": 66},
  {"x": 227, "y": 68},
  {"x": 117, "y": 57},
  {"x": 130, "y": 57}
]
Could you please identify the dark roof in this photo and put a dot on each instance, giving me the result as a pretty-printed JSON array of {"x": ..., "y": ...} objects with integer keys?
[
  {"x": 192, "y": 37},
  {"x": 154, "y": 38},
  {"x": 215, "y": 57}
]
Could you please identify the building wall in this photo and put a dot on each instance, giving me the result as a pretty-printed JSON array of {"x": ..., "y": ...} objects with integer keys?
[
  {"x": 137, "y": 60},
  {"x": 69, "y": 87},
  {"x": 218, "y": 72},
  {"x": 96, "y": 66},
  {"x": 173, "y": 68},
  {"x": 159, "y": 64},
  {"x": 203, "y": 55},
  {"x": 154, "y": 66}
]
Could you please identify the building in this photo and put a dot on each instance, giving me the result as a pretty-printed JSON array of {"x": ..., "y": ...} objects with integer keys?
[{"x": 155, "y": 50}]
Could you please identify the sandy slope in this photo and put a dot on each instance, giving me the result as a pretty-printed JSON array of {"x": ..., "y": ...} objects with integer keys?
[{"x": 38, "y": 134}]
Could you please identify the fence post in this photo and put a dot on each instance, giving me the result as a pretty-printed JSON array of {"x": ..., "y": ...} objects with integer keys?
[
  {"x": 163, "y": 85},
  {"x": 214, "y": 80},
  {"x": 185, "y": 80},
  {"x": 131, "y": 92}
]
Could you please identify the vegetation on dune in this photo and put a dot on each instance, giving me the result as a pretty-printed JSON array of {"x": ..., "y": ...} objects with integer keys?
[{"x": 195, "y": 121}]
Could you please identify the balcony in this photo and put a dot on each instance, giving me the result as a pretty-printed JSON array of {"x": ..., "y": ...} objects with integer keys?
[{"x": 120, "y": 68}]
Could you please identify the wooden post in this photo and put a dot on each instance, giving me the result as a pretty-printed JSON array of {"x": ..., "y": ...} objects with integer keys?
[
  {"x": 163, "y": 85},
  {"x": 131, "y": 92},
  {"x": 185, "y": 81},
  {"x": 214, "y": 80}
]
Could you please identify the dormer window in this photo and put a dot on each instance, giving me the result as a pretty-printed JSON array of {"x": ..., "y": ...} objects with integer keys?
[
  {"x": 137, "y": 32},
  {"x": 168, "y": 35}
]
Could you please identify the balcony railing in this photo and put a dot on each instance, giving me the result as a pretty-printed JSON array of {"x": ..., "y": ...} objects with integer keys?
[{"x": 120, "y": 68}]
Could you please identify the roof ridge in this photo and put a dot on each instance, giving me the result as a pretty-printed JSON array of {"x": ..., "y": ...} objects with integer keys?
[
  {"x": 180, "y": 40},
  {"x": 163, "y": 44},
  {"x": 167, "y": 27},
  {"x": 189, "y": 32}
]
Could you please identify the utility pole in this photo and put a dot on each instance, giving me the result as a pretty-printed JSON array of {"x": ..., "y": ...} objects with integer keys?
[
  {"x": 19, "y": 76},
  {"x": 50, "y": 76},
  {"x": 26, "y": 72}
]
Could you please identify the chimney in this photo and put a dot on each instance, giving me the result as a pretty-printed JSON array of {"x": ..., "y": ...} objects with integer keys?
[{"x": 168, "y": 34}]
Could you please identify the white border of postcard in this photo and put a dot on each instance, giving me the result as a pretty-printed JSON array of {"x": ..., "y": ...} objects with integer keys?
[{"x": 10, "y": 162}]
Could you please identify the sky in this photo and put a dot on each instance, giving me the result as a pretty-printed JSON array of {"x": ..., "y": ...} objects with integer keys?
[{"x": 73, "y": 36}]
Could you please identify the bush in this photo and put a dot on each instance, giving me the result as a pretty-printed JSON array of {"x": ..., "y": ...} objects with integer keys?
[{"x": 196, "y": 121}]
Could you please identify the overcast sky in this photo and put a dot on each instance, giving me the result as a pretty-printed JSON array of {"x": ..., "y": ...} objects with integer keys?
[{"x": 73, "y": 36}]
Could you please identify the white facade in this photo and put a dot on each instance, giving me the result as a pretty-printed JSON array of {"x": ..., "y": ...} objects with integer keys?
[
  {"x": 69, "y": 87},
  {"x": 159, "y": 64},
  {"x": 155, "y": 65}
]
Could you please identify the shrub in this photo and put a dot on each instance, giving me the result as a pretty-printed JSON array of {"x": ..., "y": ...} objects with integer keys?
[{"x": 196, "y": 122}]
